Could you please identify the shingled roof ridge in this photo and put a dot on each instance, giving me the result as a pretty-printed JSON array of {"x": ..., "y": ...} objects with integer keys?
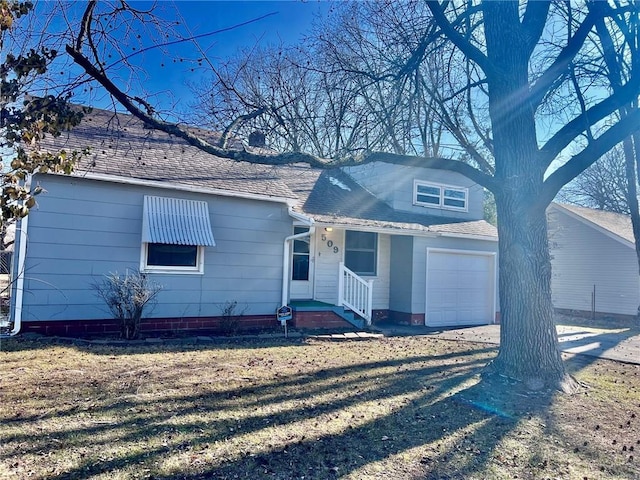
[{"x": 618, "y": 224}]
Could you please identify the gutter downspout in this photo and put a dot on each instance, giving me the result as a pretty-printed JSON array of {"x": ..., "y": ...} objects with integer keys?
[
  {"x": 286, "y": 250},
  {"x": 16, "y": 306},
  {"x": 22, "y": 257}
]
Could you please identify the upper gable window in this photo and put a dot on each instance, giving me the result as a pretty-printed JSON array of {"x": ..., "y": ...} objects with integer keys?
[{"x": 440, "y": 196}]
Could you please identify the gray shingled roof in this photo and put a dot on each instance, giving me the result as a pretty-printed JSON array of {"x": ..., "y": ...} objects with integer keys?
[
  {"x": 616, "y": 223},
  {"x": 333, "y": 197},
  {"x": 121, "y": 145}
]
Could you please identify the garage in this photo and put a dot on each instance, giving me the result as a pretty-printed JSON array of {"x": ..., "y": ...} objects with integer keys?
[{"x": 460, "y": 288}]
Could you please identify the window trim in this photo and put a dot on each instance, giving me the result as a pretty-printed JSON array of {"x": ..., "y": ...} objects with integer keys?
[
  {"x": 198, "y": 269},
  {"x": 375, "y": 253},
  {"x": 442, "y": 198},
  {"x": 308, "y": 239}
]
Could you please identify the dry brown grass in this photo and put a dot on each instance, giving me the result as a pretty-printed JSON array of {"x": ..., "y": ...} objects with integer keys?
[{"x": 395, "y": 408}]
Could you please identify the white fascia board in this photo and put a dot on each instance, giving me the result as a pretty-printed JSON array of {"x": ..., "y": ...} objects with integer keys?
[
  {"x": 389, "y": 230},
  {"x": 306, "y": 220},
  {"x": 184, "y": 188},
  {"x": 593, "y": 225},
  {"x": 469, "y": 236},
  {"x": 402, "y": 231}
]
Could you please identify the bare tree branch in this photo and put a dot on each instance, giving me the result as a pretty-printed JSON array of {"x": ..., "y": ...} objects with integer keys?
[
  {"x": 275, "y": 159},
  {"x": 462, "y": 43},
  {"x": 533, "y": 23},
  {"x": 85, "y": 25},
  {"x": 567, "y": 134},
  {"x": 224, "y": 139},
  {"x": 560, "y": 67},
  {"x": 462, "y": 168},
  {"x": 578, "y": 163}
]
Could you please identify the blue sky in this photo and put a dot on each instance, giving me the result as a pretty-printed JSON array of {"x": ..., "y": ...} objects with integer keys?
[
  {"x": 289, "y": 20},
  {"x": 285, "y": 22}
]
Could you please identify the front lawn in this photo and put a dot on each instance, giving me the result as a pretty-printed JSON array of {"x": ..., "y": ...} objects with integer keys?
[{"x": 392, "y": 408}]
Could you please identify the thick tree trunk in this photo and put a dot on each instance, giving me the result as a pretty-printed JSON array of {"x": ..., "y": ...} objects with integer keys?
[
  {"x": 528, "y": 340},
  {"x": 630, "y": 148}
]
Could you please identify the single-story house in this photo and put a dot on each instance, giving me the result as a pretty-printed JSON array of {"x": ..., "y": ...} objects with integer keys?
[
  {"x": 594, "y": 262},
  {"x": 353, "y": 245}
]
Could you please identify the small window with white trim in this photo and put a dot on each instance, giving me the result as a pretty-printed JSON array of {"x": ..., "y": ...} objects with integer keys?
[
  {"x": 174, "y": 234},
  {"x": 440, "y": 196},
  {"x": 165, "y": 255},
  {"x": 361, "y": 252}
]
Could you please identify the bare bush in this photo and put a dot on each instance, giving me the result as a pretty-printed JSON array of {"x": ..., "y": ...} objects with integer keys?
[
  {"x": 126, "y": 297},
  {"x": 230, "y": 321}
]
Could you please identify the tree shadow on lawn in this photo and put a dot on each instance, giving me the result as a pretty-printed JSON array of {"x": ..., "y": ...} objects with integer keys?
[
  {"x": 128, "y": 347},
  {"x": 615, "y": 346},
  {"x": 449, "y": 432},
  {"x": 329, "y": 422},
  {"x": 352, "y": 380}
]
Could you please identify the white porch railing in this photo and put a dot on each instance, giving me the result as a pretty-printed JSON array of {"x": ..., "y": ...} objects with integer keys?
[{"x": 355, "y": 293}]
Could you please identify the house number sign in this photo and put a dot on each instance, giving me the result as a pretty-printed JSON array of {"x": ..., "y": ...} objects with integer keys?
[{"x": 330, "y": 243}]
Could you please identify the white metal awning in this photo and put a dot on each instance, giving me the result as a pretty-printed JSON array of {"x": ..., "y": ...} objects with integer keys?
[{"x": 176, "y": 221}]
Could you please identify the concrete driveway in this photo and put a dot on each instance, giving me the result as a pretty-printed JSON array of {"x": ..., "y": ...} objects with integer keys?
[{"x": 620, "y": 344}]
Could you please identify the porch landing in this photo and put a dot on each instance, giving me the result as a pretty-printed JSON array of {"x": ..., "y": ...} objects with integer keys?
[{"x": 309, "y": 304}]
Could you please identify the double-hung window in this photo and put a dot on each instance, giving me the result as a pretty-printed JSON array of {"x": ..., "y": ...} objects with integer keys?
[
  {"x": 440, "y": 196},
  {"x": 361, "y": 252},
  {"x": 174, "y": 234}
]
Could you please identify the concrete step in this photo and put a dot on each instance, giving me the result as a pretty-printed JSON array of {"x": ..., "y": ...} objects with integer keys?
[{"x": 350, "y": 317}]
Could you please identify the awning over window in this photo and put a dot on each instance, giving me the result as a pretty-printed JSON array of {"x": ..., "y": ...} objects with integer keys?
[{"x": 176, "y": 221}]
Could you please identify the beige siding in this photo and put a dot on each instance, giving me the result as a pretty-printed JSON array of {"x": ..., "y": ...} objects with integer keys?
[
  {"x": 583, "y": 257},
  {"x": 327, "y": 264},
  {"x": 327, "y": 261}
]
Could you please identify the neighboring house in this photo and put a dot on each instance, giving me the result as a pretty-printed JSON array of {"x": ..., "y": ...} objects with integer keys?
[
  {"x": 6, "y": 249},
  {"x": 594, "y": 263},
  {"x": 403, "y": 244}
]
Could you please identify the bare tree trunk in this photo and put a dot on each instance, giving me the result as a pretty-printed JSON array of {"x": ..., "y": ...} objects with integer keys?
[
  {"x": 528, "y": 340},
  {"x": 630, "y": 148}
]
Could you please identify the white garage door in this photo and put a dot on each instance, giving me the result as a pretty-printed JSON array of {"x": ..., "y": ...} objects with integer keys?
[{"x": 460, "y": 288}]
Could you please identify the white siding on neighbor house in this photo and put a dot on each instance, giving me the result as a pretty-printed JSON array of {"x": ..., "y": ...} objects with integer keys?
[
  {"x": 582, "y": 257},
  {"x": 394, "y": 185},
  {"x": 84, "y": 229},
  {"x": 327, "y": 265}
]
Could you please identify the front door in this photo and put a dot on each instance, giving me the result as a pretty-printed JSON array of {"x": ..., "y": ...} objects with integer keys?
[{"x": 302, "y": 266}]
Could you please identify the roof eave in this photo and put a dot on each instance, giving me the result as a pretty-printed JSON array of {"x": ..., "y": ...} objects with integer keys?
[
  {"x": 593, "y": 225},
  {"x": 404, "y": 231},
  {"x": 469, "y": 236},
  {"x": 300, "y": 217},
  {"x": 184, "y": 188}
]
